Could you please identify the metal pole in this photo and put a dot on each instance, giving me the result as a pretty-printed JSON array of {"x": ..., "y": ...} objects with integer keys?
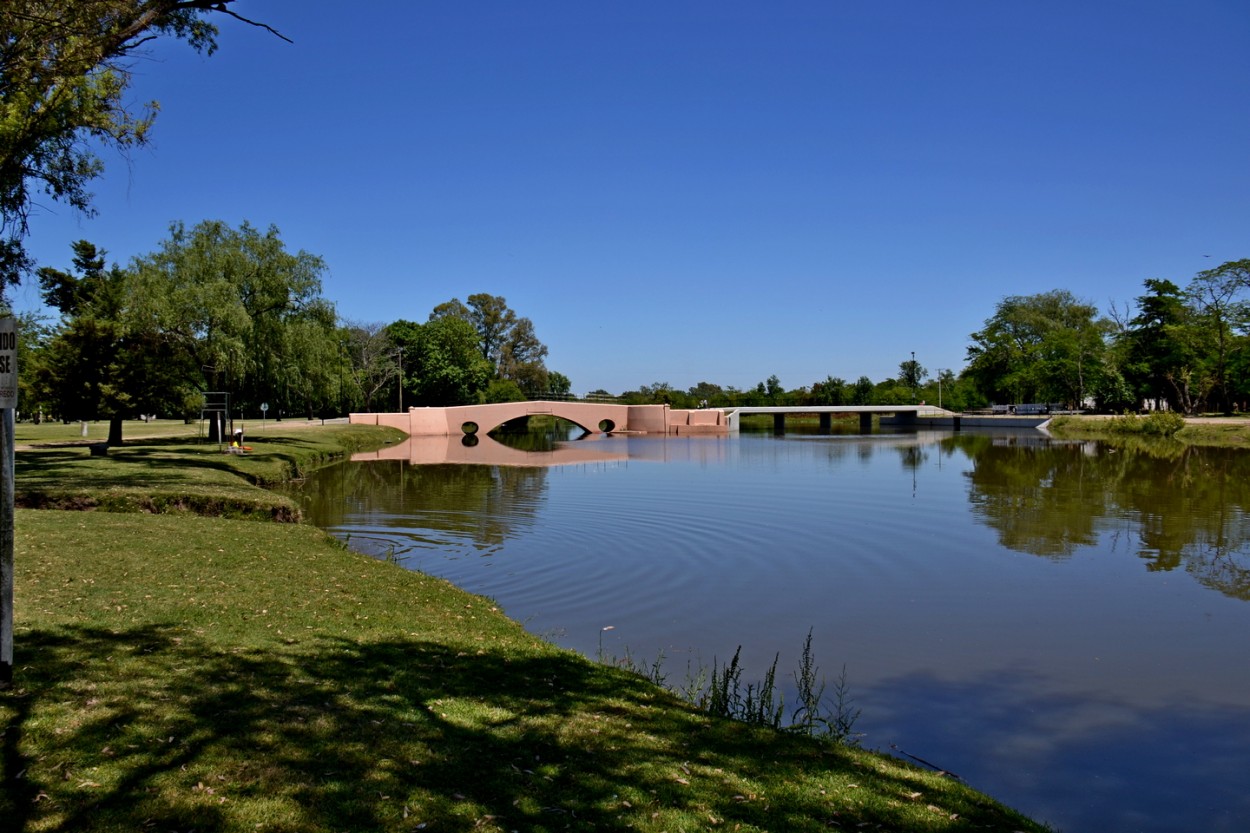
[
  {"x": 401, "y": 379},
  {"x": 6, "y": 547}
]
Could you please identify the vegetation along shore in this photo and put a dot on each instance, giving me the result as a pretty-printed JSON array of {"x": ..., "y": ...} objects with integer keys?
[{"x": 182, "y": 662}]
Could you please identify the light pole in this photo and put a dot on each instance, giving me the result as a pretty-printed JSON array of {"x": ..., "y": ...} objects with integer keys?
[
  {"x": 400, "y": 354},
  {"x": 939, "y": 375},
  {"x": 915, "y": 377}
]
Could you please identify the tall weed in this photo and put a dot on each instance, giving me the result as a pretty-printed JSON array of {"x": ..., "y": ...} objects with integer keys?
[{"x": 722, "y": 693}]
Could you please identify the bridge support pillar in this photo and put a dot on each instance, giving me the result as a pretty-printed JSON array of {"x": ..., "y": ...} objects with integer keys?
[
  {"x": 826, "y": 423},
  {"x": 779, "y": 423},
  {"x": 865, "y": 422}
]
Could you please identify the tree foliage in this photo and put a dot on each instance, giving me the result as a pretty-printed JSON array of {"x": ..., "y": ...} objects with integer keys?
[
  {"x": 214, "y": 309},
  {"x": 442, "y": 364},
  {"x": 247, "y": 312},
  {"x": 504, "y": 339},
  {"x": 65, "y": 75},
  {"x": 1049, "y": 347},
  {"x": 96, "y": 365}
]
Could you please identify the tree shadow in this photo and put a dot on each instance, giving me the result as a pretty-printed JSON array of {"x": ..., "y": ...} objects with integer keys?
[{"x": 156, "y": 728}]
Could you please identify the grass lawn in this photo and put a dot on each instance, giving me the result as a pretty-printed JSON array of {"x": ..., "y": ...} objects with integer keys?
[{"x": 181, "y": 672}]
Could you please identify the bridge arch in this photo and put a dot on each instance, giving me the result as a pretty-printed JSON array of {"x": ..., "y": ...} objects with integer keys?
[{"x": 483, "y": 419}]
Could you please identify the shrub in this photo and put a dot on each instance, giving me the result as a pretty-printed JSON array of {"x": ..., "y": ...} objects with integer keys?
[{"x": 1163, "y": 423}]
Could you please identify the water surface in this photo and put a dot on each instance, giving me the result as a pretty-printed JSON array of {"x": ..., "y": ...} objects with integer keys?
[{"x": 1063, "y": 625}]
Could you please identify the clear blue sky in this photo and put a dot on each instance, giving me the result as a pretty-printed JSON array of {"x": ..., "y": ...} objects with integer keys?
[{"x": 686, "y": 191}]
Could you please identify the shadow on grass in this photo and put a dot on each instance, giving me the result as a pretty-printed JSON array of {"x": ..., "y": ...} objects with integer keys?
[{"x": 152, "y": 728}]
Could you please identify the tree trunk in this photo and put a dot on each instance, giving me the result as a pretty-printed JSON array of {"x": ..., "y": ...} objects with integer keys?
[{"x": 115, "y": 430}]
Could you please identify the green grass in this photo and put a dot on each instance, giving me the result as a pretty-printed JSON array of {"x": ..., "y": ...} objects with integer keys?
[
  {"x": 1228, "y": 433},
  {"x": 177, "y": 672},
  {"x": 165, "y": 473}
]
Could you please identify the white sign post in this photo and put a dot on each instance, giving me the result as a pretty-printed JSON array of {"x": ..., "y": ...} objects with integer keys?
[{"x": 8, "y": 405}]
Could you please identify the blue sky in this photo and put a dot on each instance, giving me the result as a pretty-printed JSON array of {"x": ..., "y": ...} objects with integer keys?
[{"x": 687, "y": 191}]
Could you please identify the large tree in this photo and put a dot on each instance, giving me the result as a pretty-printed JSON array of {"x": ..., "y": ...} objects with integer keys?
[
  {"x": 65, "y": 76},
  {"x": 247, "y": 312},
  {"x": 441, "y": 361},
  {"x": 1218, "y": 303},
  {"x": 1159, "y": 351},
  {"x": 371, "y": 362},
  {"x": 96, "y": 365},
  {"x": 506, "y": 340},
  {"x": 1048, "y": 347}
]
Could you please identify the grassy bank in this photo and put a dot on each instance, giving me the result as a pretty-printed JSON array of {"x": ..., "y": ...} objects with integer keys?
[
  {"x": 1231, "y": 432},
  {"x": 165, "y": 467},
  {"x": 177, "y": 672}
]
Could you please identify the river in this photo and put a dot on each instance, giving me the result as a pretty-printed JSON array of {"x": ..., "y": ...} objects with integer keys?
[{"x": 1065, "y": 626}]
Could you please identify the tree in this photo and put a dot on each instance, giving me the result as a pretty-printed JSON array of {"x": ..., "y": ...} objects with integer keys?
[
  {"x": 95, "y": 365},
  {"x": 521, "y": 359},
  {"x": 706, "y": 392},
  {"x": 558, "y": 384},
  {"x": 65, "y": 74},
  {"x": 773, "y": 390},
  {"x": 371, "y": 361},
  {"x": 861, "y": 391},
  {"x": 832, "y": 391},
  {"x": 1159, "y": 354},
  {"x": 505, "y": 339},
  {"x": 1215, "y": 298},
  {"x": 442, "y": 363},
  {"x": 246, "y": 313},
  {"x": 911, "y": 374},
  {"x": 1039, "y": 348}
]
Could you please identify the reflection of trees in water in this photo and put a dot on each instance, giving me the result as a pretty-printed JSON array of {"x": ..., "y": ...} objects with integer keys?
[
  {"x": 1044, "y": 501},
  {"x": 479, "y": 503},
  {"x": 1189, "y": 504}
]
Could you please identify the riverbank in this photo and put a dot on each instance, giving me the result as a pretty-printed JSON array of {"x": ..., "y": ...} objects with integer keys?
[
  {"x": 176, "y": 671},
  {"x": 1229, "y": 432}
]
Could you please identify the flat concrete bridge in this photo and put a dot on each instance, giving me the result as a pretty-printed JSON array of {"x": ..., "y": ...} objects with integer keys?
[
  {"x": 611, "y": 418},
  {"x": 904, "y": 414}
]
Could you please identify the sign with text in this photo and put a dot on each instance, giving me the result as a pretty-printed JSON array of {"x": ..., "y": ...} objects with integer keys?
[{"x": 8, "y": 362}]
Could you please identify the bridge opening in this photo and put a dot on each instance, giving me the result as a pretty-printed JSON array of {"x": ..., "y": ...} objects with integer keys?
[{"x": 538, "y": 432}]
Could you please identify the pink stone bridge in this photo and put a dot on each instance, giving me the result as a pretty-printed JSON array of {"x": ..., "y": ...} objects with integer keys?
[{"x": 594, "y": 417}]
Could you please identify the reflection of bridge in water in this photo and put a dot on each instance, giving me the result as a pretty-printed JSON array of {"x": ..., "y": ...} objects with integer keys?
[
  {"x": 483, "y": 450},
  {"x": 592, "y": 449}
]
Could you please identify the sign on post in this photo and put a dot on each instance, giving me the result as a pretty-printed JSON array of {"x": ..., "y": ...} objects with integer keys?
[{"x": 8, "y": 362}]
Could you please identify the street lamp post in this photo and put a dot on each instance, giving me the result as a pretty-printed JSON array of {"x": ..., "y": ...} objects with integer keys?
[
  {"x": 915, "y": 377},
  {"x": 400, "y": 354}
]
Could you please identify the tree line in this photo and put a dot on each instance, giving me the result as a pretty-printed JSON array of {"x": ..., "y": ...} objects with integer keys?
[
  {"x": 1171, "y": 348},
  {"x": 217, "y": 309},
  {"x": 1181, "y": 349}
]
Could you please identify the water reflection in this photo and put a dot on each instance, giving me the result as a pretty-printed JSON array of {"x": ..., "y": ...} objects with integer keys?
[
  {"x": 1180, "y": 507},
  {"x": 438, "y": 504}
]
